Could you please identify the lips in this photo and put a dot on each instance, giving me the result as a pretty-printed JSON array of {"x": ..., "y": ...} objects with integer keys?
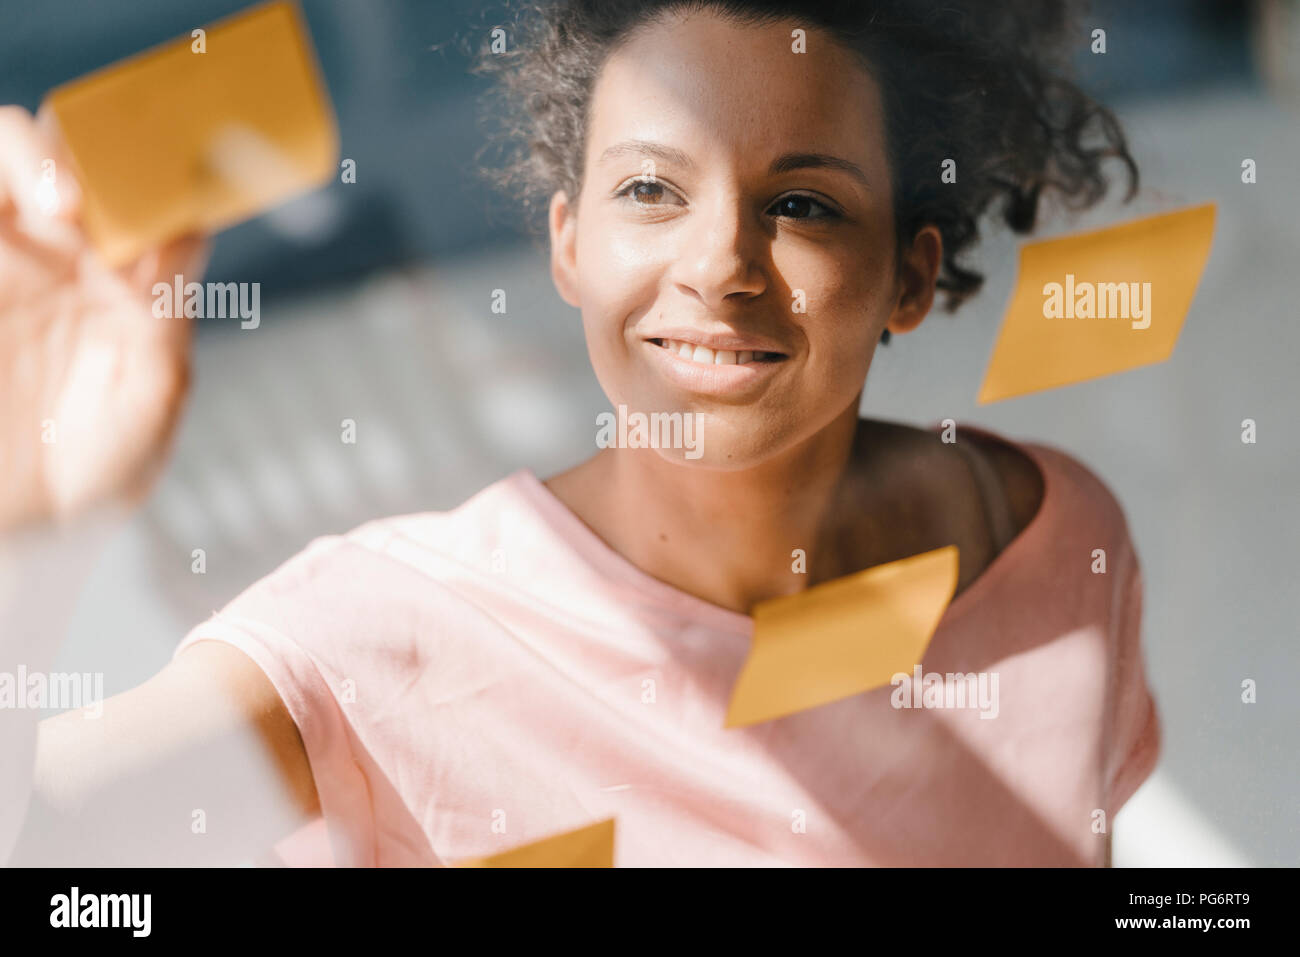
[
  {"x": 728, "y": 367},
  {"x": 707, "y": 356}
]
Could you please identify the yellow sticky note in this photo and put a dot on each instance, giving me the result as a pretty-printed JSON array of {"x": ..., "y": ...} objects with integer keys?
[
  {"x": 842, "y": 637},
  {"x": 1099, "y": 302},
  {"x": 199, "y": 133},
  {"x": 591, "y": 846}
]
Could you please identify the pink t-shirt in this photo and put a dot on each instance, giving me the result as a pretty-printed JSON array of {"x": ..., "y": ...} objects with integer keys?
[{"x": 470, "y": 681}]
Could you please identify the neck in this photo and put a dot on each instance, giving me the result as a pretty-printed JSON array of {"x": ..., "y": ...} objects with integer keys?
[{"x": 726, "y": 536}]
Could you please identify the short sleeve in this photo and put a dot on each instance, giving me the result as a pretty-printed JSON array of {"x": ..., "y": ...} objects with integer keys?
[
  {"x": 266, "y": 622},
  {"x": 1134, "y": 723}
]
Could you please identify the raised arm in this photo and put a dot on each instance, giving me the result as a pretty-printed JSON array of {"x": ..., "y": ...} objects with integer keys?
[
  {"x": 202, "y": 763},
  {"x": 199, "y": 765}
]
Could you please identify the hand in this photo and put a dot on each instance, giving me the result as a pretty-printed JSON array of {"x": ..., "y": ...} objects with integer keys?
[{"x": 92, "y": 384}]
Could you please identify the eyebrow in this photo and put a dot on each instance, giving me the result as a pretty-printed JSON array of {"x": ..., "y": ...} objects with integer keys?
[
  {"x": 793, "y": 161},
  {"x": 782, "y": 164},
  {"x": 647, "y": 148}
]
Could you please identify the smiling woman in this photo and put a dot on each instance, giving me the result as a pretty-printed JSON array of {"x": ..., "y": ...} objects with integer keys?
[
  {"x": 740, "y": 199},
  {"x": 975, "y": 85}
]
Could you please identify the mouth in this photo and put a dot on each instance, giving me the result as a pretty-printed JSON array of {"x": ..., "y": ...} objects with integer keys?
[
  {"x": 704, "y": 356},
  {"x": 729, "y": 374}
]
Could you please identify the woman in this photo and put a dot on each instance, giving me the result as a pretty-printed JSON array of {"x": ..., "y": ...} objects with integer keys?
[{"x": 742, "y": 199}]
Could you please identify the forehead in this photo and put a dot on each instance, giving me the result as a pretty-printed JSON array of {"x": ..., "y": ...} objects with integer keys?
[{"x": 704, "y": 83}]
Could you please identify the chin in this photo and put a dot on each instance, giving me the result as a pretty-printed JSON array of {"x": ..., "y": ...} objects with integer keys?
[{"x": 720, "y": 445}]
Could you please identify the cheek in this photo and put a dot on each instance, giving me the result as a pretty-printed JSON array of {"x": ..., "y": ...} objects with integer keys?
[
  {"x": 618, "y": 280},
  {"x": 618, "y": 274},
  {"x": 847, "y": 306},
  {"x": 626, "y": 286}
]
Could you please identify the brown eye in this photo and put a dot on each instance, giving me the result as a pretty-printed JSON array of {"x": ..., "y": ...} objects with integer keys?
[
  {"x": 648, "y": 193},
  {"x": 797, "y": 206}
]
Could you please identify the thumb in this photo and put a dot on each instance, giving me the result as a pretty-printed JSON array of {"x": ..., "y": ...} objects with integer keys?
[
  {"x": 186, "y": 257},
  {"x": 60, "y": 190}
]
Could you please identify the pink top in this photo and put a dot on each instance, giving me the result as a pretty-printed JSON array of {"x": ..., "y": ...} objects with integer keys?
[{"x": 469, "y": 681}]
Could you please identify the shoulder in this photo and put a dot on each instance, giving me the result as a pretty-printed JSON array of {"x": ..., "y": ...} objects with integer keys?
[
  {"x": 395, "y": 569},
  {"x": 1021, "y": 480},
  {"x": 1077, "y": 491},
  {"x": 1010, "y": 480},
  {"x": 1082, "y": 513},
  {"x": 1037, "y": 475}
]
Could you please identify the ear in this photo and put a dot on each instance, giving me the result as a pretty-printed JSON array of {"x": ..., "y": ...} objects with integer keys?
[
  {"x": 918, "y": 273},
  {"x": 563, "y": 221}
]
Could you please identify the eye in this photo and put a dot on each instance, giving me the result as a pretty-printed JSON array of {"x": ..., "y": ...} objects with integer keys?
[
  {"x": 645, "y": 192},
  {"x": 799, "y": 206}
]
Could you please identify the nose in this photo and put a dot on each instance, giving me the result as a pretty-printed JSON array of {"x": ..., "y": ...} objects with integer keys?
[{"x": 721, "y": 253}]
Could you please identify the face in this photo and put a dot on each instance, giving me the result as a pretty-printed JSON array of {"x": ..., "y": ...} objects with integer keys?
[{"x": 732, "y": 248}]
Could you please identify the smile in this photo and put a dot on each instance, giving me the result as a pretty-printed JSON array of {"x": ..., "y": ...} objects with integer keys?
[
  {"x": 704, "y": 356},
  {"x": 738, "y": 375}
]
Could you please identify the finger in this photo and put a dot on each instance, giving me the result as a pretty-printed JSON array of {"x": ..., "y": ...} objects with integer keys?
[
  {"x": 186, "y": 257},
  {"x": 19, "y": 175},
  {"x": 34, "y": 165},
  {"x": 67, "y": 185},
  {"x": 13, "y": 127},
  {"x": 42, "y": 193}
]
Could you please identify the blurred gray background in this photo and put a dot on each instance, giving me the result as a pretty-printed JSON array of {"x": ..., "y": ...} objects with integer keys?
[{"x": 376, "y": 307}]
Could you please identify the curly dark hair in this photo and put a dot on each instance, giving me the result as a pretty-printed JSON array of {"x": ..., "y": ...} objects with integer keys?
[{"x": 979, "y": 81}]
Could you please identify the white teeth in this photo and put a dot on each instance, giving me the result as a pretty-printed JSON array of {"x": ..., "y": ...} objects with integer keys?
[{"x": 709, "y": 357}]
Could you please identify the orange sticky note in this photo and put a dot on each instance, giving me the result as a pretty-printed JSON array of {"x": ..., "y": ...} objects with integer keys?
[
  {"x": 842, "y": 637},
  {"x": 1099, "y": 302},
  {"x": 591, "y": 846},
  {"x": 199, "y": 133}
]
